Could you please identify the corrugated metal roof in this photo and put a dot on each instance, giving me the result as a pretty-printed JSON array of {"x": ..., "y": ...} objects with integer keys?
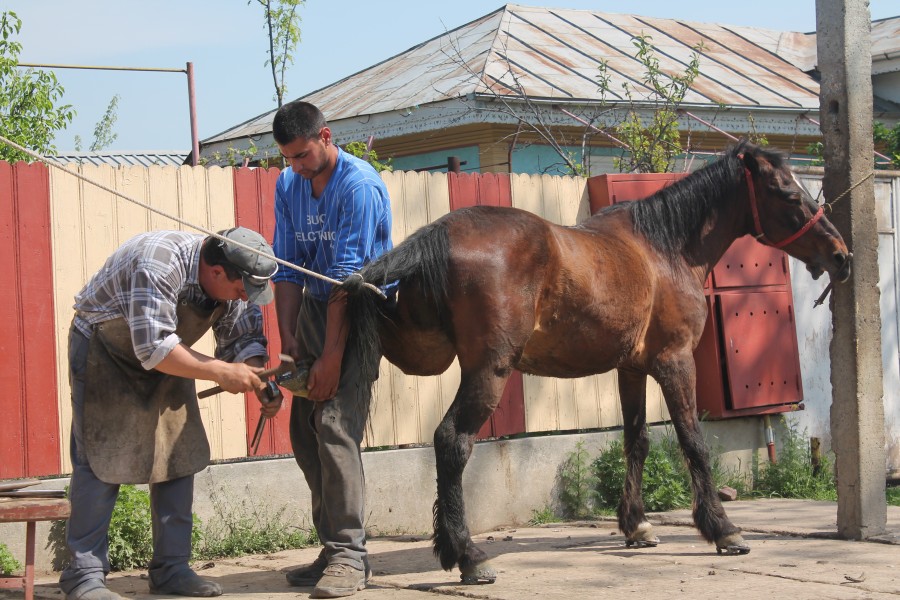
[
  {"x": 125, "y": 159},
  {"x": 553, "y": 54}
]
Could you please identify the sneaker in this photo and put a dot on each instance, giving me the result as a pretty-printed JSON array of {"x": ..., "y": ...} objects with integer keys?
[
  {"x": 187, "y": 583},
  {"x": 339, "y": 580},
  {"x": 95, "y": 593},
  {"x": 309, "y": 575}
]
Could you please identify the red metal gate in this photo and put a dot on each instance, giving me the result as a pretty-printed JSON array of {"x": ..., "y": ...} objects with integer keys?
[
  {"x": 29, "y": 427},
  {"x": 747, "y": 360},
  {"x": 492, "y": 189}
]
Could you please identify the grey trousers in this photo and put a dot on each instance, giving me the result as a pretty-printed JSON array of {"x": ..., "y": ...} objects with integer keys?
[
  {"x": 326, "y": 437},
  {"x": 92, "y": 502}
]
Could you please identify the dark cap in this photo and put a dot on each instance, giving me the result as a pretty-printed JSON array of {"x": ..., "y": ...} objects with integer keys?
[{"x": 256, "y": 269}]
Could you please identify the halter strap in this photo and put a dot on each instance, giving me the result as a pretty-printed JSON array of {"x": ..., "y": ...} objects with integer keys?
[{"x": 762, "y": 236}]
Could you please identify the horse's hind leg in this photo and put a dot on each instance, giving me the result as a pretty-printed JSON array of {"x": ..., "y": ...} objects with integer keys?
[
  {"x": 475, "y": 400},
  {"x": 633, "y": 398},
  {"x": 678, "y": 381}
]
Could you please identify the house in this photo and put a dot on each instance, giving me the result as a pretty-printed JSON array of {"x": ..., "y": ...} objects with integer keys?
[{"x": 462, "y": 93}]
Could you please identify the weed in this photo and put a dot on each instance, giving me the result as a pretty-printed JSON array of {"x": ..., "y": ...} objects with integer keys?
[
  {"x": 793, "y": 475},
  {"x": 8, "y": 562},
  {"x": 257, "y": 529},
  {"x": 893, "y": 496},
  {"x": 666, "y": 482},
  {"x": 577, "y": 483},
  {"x": 130, "y": 538},
  {"x": 542, "y": 516}
]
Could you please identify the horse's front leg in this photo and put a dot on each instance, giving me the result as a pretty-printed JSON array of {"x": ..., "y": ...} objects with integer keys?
[
  {"x": 454, "y": 437},
  {"x": 677, "y": 378},
  {"x": 633, "y": 398}
]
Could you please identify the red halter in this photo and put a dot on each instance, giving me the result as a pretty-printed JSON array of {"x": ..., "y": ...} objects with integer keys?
[{"x": 762, "y": 236}]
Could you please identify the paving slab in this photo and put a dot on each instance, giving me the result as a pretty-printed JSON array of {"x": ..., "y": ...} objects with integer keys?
[{"x": 795, "y": 554}]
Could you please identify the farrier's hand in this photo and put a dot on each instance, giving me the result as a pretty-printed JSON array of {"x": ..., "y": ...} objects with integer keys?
[
  {"x": 239, "y": 377},
  {"x": 324, "y": 377},
  {"x": 290, "y": 347},
  {"x": 269, "y": 406}
]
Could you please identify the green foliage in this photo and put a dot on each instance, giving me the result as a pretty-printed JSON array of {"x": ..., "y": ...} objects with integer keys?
[
  {"x": 891, "y": 140},
  {"x": 360, "y": 150},
  {"x": 542, "y": 516},
  {"x": 793, "y": 476},
  {"x": 8, "y": 562},
  {"x": 577, "y": 483},
  {"x": 893, "y": 496},
  {"x": 666, "y": 483},
  {"x": 655, "y": 142},
  {"x": 241, "y": 530},
  {"x": 609, "y": 469},
  {"x": 130, "y": 538},
  {"x": 283, "y": 26},
  {"x": 103, "y": 133},
  {"x": 30, "y": 113}
]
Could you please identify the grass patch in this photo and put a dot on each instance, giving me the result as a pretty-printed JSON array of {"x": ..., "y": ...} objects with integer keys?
[
  {"x": 542, "y": 516},
  {"x": 794, "y": 475}
]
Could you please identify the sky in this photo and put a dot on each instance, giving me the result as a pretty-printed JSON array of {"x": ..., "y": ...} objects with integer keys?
[{"x": 227, "y": 43}]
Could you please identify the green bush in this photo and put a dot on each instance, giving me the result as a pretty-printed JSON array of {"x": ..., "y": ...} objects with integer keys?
[
  {"x": 577, "y": 484},
  {"x": 666, "y": 483},
  {"x": 793, "y": 475},
  {"x": 130, "y": 535},
  {"x": 8, "y": 562}
]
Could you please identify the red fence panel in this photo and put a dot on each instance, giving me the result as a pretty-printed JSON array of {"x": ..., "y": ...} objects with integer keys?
[
  {"x": 254, "y": 205},
  {"x": 29, "y": 428},
  {"x": 492, "y": 189}
]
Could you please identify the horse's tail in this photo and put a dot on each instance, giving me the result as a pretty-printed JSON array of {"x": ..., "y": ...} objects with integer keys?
[{"x": 422, "y": 258}]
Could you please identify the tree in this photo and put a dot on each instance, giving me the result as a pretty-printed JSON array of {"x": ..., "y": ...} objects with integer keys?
[
  {"x": 282, "y": 24},
  {"x": 641, "y": 120},
  {"x": 103, "y": 133},
  {"x": 654, "y": 141},
  {"x": 30, "y": 110}
]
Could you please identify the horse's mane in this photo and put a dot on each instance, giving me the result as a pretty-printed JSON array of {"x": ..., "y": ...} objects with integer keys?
[{"x": 675, "y": 215}]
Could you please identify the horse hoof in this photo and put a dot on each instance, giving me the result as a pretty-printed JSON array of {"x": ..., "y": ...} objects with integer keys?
[
  {"x": 477, "y": 574},
  {"x": 643, "y": 537},
  {"x": 732, "y": 545}
]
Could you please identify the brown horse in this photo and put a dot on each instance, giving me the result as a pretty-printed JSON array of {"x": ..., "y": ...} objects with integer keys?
[{"x": 503, "y": 289}]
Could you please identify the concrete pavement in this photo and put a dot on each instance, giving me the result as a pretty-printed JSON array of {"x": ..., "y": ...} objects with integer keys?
[{"x": 794, "y": 555}]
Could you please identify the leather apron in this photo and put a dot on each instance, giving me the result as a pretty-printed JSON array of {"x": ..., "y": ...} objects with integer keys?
[{"x": 143, "y": 426}]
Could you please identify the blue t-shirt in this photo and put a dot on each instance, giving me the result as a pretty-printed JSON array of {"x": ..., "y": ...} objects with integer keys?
[{"x": 336, "y": 234}]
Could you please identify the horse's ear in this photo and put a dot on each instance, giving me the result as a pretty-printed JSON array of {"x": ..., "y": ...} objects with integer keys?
[{"x": 748, "y": 157}]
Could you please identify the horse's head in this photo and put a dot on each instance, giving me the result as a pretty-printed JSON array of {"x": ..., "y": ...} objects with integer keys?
[{"x": 784, "y": 215}]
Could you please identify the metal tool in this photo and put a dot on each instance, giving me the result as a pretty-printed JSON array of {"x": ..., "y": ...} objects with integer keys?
[
  {"x": 273, "y": 393},
  {"x": 286, "y": 366}
]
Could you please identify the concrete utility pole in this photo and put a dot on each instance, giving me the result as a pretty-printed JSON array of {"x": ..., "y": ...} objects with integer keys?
[{"x": 857, "y": 409}]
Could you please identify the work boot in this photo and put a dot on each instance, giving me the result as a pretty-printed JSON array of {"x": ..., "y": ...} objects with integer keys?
[
  {"x": 339, "y": 580},
  {"x": 95, "y": 593},
  {"x": 308, "y": 575},
  {"x": 187, "y": 583}
]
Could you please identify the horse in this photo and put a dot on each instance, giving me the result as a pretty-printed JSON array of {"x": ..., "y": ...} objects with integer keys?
[{"x": 503, "y": 289}]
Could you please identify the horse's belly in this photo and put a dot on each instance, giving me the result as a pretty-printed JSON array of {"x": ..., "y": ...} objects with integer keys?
[{"x": 571, "y": 355}]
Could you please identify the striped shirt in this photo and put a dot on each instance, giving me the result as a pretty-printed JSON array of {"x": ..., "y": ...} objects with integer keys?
[
  {"x": 144, "y": 280},
  {"x": 336, "y": 234}
]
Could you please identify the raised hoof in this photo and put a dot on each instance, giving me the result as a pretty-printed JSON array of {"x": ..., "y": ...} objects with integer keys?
[
  {"x": 643, "y": 537},
  {"x": 732, "y": 545},
  {"x": 477, "y": 574}
]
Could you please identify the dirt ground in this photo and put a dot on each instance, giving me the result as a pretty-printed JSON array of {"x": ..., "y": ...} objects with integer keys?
[{"x": 795, "y": 554}]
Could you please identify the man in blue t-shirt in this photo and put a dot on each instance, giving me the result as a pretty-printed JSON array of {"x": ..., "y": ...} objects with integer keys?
[{"x": 332, "y": 216}]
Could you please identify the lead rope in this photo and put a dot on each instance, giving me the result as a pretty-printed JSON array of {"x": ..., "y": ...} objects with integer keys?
[
  {"x": 825, "y": 293},
  {"x": 179, "y": 220}
]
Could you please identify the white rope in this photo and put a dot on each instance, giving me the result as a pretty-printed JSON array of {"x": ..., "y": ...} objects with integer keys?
[{"x": 179, "y": 220}]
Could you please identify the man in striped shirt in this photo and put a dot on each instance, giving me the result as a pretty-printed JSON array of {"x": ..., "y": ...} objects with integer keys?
[
  {"x": 332, "y": 216},
  {"x": 135, "y": 417}
]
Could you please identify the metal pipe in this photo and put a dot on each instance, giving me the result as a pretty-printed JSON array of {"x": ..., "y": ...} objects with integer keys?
[
  {"x": 770, "y": 439},
  {"x": 99, "y": 68},
  {"x": 195, "y": 139}
]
